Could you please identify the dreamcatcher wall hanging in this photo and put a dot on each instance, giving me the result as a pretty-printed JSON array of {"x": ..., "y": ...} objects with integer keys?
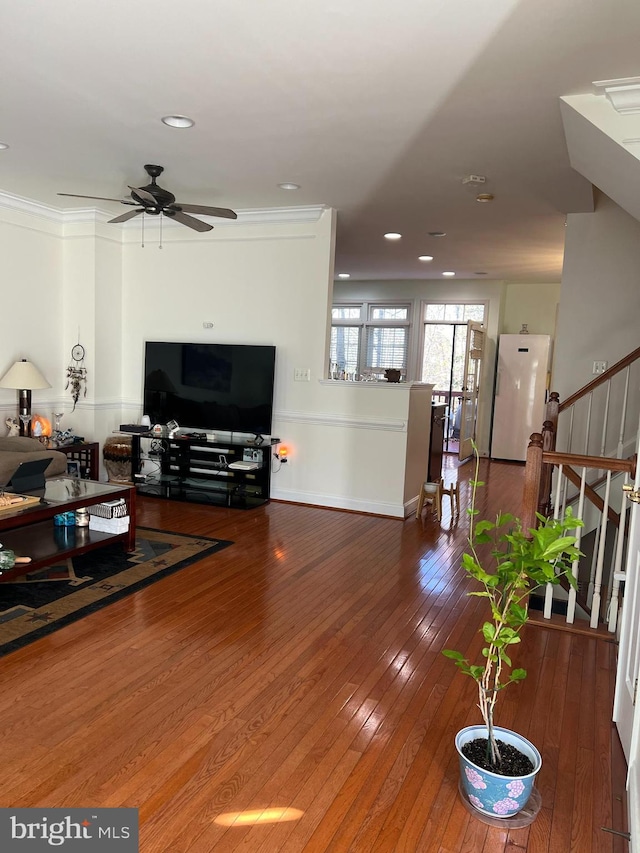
[{"x": 77, "y": 375}]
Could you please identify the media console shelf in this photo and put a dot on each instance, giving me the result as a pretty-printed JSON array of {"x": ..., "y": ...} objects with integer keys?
[{"x": 203, "y": 471}]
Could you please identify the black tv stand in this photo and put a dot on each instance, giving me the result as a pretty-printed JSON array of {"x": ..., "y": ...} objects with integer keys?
[{"x": 200, "y": 470}]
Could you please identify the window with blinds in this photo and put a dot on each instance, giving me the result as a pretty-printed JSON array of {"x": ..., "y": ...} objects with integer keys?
[
  {"x": 345, "y": 348},
  {"x": 386, "y": 347},
  {"x": 367, "y": 338}
]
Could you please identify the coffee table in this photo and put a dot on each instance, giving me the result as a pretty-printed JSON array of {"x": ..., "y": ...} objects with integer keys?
[{"x": 30, "y": 532}]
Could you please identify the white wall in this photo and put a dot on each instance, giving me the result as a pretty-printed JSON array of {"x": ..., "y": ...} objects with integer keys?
[
  {"x": 600, "y": 296},
  {"x": 32, "y": 304},
  {"x": 533, "y": 304},
  {"x": 597, "y": 321}
]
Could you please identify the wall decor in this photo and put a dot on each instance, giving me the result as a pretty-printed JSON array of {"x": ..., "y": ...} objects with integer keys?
[{"x": 77, "y": 374}]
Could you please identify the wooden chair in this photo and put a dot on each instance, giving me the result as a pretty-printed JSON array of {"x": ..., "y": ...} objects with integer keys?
[{"x": 433, "y": 492}]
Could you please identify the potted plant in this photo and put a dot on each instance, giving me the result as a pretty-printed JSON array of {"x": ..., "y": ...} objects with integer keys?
[{"x": 498, "y": 767}]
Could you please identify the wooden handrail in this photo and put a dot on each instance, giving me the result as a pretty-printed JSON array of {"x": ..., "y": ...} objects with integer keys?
[
  {"x": 540, "y": 461},
  {"x": 599, "y": 380},
  {"x": 604, "y": 463}
]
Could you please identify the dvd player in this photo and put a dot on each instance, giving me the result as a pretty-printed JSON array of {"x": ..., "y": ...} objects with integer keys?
[{"x": 137, "y": 428}]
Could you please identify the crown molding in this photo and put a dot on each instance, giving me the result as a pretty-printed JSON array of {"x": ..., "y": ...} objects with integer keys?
[
  {"x": 623, "y": 94},
  {"x": 82, "y": 215},
  {"x": 17, "y": 204}
]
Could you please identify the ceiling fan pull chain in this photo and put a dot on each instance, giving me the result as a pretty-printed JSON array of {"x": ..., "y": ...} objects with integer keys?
[
  {"x": 142, "y": 244},
  {"x": 161, "y": 218}
]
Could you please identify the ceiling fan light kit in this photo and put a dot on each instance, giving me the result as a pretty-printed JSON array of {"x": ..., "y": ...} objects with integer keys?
[{"x": 154, "y": 200}]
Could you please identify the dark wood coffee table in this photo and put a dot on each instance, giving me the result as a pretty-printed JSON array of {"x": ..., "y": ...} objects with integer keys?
[{"x": 30, "y": 532}]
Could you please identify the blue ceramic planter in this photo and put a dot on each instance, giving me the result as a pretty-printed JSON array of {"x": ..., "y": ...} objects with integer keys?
[{"x": 490, "y": 793}]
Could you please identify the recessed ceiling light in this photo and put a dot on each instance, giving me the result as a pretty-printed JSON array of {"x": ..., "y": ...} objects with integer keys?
[
  {"x": 288, "y": 186},
  {"x": 479, "y": 273},
  {"x": 425, "y": 258},
  {"x": 392, "y": 235},
  {"x": 3, "y": 146},
  {"x": 448, "y": 273},
  {"x": 344, "y": 275},
  {"x": 437, "y": 233},
  {"x": 484, "y": 197},
  {"x": 178, "y": 121}
]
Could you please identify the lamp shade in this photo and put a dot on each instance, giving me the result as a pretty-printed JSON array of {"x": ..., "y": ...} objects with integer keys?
[{"x": 24, "y": 375}]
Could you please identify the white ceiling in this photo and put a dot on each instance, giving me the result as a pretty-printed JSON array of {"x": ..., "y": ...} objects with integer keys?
[{"x": 377, "y": 109}]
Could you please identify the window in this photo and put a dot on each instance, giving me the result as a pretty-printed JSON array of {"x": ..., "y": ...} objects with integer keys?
[
  {"x": 449, "y": 312},
  {"x": 386, "y": 348},
  {"x": 345, "y": 348},
  {"x": 367, "y": 338}
]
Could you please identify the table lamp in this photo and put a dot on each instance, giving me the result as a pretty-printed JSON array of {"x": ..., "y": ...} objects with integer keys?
[{"x": 24, "y": 377}]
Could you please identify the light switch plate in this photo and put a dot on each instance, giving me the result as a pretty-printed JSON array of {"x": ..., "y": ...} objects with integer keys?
[
  {"x": 302, "y": 374},
  {"x": 599, "y": 367}
]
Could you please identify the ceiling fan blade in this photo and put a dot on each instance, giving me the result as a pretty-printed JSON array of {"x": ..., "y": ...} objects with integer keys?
[
  {"x": 97, "y": 198},
  {"x": 189, "y": 221},
  {"x": 204, "y": 210},
  {"x": 145, "y": 196},
  {"x": 124, "y": 216}
]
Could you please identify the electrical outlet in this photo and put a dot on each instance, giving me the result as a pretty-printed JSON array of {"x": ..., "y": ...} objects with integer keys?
[
  {"x": 302, "y": 374},
  {"x": 599, "y": 367},
  {"x": 207, "y": 325}
]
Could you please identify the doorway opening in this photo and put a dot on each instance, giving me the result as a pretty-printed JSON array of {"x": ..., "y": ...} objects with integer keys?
[{"x": 445, "y": 334}]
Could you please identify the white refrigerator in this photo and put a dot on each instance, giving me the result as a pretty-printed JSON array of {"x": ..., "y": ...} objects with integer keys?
[{"x": 520, "y": 394}]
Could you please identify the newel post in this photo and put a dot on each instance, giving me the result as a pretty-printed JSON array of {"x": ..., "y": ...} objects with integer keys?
[
  {"x": 553, "y": 409},
  {"x": 532, "y": 479}
]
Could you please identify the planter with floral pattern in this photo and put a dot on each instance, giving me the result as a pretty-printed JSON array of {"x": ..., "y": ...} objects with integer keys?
[{"x": 490, "y": 793}]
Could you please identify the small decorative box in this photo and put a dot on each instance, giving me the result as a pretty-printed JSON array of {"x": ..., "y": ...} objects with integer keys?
[
  {"x": 109, "y": 509},
  {"x": 109, "y": 525}
]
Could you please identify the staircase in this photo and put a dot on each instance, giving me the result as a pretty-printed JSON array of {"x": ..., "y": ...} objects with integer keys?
[{"x": 583, "y": 459}]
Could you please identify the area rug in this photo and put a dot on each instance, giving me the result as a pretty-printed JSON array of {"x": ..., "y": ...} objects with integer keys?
[{"x": 37, "y": 604}]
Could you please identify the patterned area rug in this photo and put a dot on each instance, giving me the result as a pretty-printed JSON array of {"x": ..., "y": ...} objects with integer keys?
[{"x": 37, "y": 604}]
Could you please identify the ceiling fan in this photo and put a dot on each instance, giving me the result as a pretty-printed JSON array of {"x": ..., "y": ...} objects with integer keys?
[{"x": 154, "y": 200}]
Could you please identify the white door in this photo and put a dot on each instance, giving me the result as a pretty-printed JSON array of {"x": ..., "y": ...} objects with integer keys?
[
  {"x": 626, "y": 713},
  {"x": 474, "y": 353}
]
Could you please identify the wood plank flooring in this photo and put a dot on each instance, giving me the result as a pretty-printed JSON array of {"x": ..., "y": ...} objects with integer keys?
[{"x": 300, "y": 669}]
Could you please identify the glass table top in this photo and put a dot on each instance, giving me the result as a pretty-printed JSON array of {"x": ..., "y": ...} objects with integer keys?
[{"x": 61, "y": 489}]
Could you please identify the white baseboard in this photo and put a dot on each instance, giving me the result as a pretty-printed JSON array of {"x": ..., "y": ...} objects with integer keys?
[{"x": 340, "y": 502}]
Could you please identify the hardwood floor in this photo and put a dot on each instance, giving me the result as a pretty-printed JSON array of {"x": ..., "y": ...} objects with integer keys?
[{"x": 300, "y": 669}]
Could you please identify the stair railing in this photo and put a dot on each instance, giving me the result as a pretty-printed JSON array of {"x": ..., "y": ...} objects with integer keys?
[
  {"x": 572, "y": 472},
  {"x": 604, "y": 406}
]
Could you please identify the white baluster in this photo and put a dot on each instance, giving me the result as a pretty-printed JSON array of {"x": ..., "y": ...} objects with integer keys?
[
  {"x": 623, "y": 416},
  {"x": 575, "y": 566},
  {"x": 570, "y": 435},
  {"x": 595, "y": 602},
  {"x": 605, "y": 421},
  {"x": 548, "y": 592},
  {"x": 587, "y": 431},
  {"x": 618, "y": 574}
]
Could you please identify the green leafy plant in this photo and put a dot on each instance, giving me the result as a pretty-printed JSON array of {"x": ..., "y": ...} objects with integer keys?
[{"x": 519, "y": 563}]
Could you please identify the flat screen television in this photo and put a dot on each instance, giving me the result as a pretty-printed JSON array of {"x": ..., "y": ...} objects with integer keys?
[{"x": 223, "y": 387}]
